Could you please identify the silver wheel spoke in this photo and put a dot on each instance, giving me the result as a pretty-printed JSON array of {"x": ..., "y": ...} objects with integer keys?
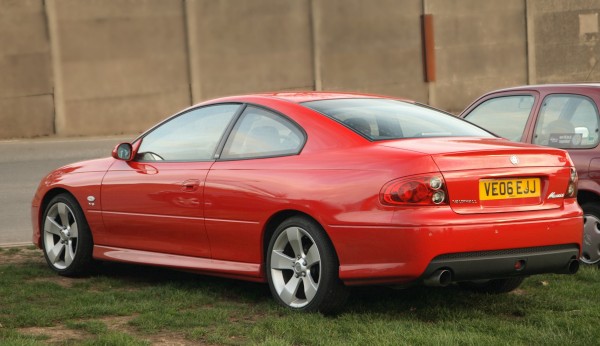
[
  {"x": 51, "y": 226},
  {"x": 288, "y": 294},
  {"x": 312, "y": 256},
  {"x": 295, "y": 239},
  {"x": 63, "y": 213},
  {"x": 310, "y": 287},
  {"x": 74, "y": 231},
  {"x": 69, "y": 253},
  {"x": 281, "y": 261},
  {"x": 55, "y": 252}
]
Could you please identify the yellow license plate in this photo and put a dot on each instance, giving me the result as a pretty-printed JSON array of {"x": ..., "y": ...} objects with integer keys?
[{"x": 490, "y": 189}]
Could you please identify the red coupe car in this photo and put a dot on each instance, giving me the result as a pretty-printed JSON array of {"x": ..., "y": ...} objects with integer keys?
[
  {"x": 314, "y": 192},
  {"x": 557, "y": 115}
]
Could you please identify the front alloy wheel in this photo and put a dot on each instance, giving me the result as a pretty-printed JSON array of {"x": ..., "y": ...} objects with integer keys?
[
  {"x": 66, "y": 239},
  {"x": 303, "y": 268}
]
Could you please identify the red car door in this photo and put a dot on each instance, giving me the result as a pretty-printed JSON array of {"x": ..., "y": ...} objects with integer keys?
[{"x": 155, "y": 202}]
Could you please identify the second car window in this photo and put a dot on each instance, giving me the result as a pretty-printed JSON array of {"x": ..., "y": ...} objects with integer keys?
[{"x": 261, "y": 133}]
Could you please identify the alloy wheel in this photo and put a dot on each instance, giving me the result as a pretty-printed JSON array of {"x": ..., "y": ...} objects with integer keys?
[
  {"x": 295, "y": 267},
  {"x": 61, "y": 235}
]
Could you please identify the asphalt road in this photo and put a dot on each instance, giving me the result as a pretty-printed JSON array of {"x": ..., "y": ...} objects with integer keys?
[{"x": 24, "y": 162}]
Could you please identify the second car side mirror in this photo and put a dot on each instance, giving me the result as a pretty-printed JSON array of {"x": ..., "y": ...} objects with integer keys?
[{"x": 123, "y": 151}]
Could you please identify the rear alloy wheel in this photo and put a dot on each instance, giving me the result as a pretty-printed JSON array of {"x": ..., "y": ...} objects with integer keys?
[
  {"x": 66, "y": 239},
  {"x": 493, "y": 286},
  {"x": 590, "y": 252},
  {"x": 302, "y": 267}
]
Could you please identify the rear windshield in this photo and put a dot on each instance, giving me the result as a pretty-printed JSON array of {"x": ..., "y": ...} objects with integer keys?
[{"x": 380, "y": 119}]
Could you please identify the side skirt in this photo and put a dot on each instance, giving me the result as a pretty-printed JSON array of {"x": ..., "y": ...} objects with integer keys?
[{"x": 235, "y": 270}]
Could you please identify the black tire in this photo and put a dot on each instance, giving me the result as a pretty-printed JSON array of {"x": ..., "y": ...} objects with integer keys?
[
  {"x": 297, "y": 268},
  {"x": 66, "y": 238},
  {"x": 590, "y": 252},
  {"x": 495, "y": 286}
]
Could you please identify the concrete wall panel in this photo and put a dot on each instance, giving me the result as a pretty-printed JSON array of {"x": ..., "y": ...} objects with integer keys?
[
  {"x": 26, "y": 104},
  {"x": 249, "y": 46},
  {"x": 116, "y": 115},
  {"x": 29, "y": 116},
  {"x": 480, "y": 45},
  {"x": 371, "y": 46},
  {"x": 24, "y": 49},
  {"x": 122, "y": 63},
  {"x": 566, "y": 46}
]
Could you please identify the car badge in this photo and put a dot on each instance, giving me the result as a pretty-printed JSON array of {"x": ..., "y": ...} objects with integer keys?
[
  {"x": 514, "y": 160},
  {"x": 554, "y": 195},
  {"x": 91, "y": 200}
]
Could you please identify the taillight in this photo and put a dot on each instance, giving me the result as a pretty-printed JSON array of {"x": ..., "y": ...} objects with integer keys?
[
  {"x": 572, "y": 186},
  {"x": 416, "y": 190}
]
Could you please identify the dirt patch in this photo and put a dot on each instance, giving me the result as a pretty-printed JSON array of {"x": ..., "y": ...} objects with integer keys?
[
  {"x": 21, "y": 255},
  {"x": 59, "y": 280},
  {"x": 55, "y": 334},
  {"x": 121, "y": 324},
  {"x": 170, "y": 339},
  {"x": 61, "y": 334},
  {"x": 519, "y": 292}
]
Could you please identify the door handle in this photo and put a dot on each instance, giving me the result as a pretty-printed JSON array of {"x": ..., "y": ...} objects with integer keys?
[{"x": 190, "y": 185}]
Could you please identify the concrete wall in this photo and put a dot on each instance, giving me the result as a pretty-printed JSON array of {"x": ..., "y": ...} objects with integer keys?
[
  {"x": 480, "y": 46},
  {"x": 371, "y": 46},
  {"x": 121, "y": 65},
  {"x": 26, "y": 100},
  {"x": 241, "y": 47},
  {"x": 94, "y": 67},
  {"x": 563, "y": 40}
]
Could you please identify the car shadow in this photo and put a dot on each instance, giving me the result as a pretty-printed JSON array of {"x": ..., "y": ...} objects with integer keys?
[{"x": 417, "y": 302}]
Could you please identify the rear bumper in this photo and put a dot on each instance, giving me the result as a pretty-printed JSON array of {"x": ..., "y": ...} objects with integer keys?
[
  {"x": 497, "y": 264},
  {"x": 386, "y": 254}
]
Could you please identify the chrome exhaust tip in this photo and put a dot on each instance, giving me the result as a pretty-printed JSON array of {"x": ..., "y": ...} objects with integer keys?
[{"x": 440, "y": 278}]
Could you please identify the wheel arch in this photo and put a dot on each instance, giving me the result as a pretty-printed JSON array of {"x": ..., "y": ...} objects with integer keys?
[
  {"x": 586, "y": 196},
  {"x": 50, "y": 194},
  {"x": 275, "y": 220}
]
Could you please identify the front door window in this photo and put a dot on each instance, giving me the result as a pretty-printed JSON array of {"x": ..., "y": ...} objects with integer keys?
[{"x": 567, "y": 122}]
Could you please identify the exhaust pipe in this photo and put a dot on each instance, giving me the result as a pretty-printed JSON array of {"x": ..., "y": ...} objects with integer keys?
[
  {"x": 440, "y": 278},
  {"x": 573, "y": 266}
]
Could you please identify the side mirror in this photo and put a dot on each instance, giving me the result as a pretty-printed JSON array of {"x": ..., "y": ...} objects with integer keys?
[{"x": 123, "y": 151}]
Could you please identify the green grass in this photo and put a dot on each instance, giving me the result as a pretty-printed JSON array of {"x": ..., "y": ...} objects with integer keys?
[{"x": 136, "y": 305}]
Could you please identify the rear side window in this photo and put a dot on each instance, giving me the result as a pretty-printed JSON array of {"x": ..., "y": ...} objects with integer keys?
[
  {"x": 262, "y": 133},
  {"x": 505, "y": 116},
  {"x": 380, "y": 119},
  {"x": 567, "y": 122}
]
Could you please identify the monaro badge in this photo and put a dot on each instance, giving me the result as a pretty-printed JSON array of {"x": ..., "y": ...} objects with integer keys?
[
  {"x": 554, "y": 195},
  {"x": 514, "y": 160}
]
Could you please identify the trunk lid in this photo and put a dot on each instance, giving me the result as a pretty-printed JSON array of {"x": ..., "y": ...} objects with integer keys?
[{"x": 487, "y": 175}]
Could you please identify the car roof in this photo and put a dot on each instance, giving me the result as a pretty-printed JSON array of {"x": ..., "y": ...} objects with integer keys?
[
  {"x": 301, "y": 96},
  {"x": 555, "y": 86}
]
